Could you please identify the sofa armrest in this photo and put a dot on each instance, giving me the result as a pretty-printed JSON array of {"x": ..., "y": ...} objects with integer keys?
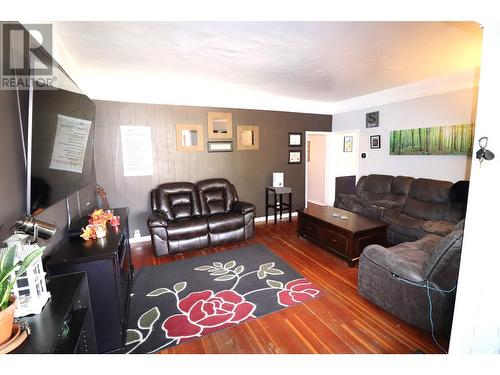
[
  {"x": 243, "y": 207},
  {"x": 397, "y": 266},
  {"x": 157, "y": 220}
]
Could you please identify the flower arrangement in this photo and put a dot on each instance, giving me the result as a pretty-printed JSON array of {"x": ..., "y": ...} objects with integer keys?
[{"x": 96, "y": 227}]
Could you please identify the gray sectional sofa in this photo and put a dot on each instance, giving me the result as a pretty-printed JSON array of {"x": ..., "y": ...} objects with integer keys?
[
  {"x": 412, "y": 207},
  {"x": 401, "y": 279},
  {"x": 426, "y": 222}
]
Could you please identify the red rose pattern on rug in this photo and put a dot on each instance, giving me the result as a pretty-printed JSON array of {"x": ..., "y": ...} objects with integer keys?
[{"x": 204, "y": 312}]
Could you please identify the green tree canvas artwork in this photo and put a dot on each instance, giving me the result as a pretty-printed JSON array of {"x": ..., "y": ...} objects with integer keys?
[{"x": 441, "y": 140}]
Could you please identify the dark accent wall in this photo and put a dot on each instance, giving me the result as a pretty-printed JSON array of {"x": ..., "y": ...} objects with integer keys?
[
  {"x": 249, "y": 171},
  {"x": 12, "y": 180}
]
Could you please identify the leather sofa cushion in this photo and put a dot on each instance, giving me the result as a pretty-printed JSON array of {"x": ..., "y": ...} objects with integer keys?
[
  {"x": 410, "y": 227},
  {"x": 225, "y": 222},
  {"x": 187, "y": 228},
  {"x": 176, "y": 200},
  {"x": 216, "y": 195},
  {"x": 215, "y": 201},
  {"x": 181, "y": 205}
]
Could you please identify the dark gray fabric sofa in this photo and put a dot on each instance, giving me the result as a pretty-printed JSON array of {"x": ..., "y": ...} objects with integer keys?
[
  {"x": 427, "y": 210},
  {"x": 396, "y": 278},
  {"x": 375, "y": 194},
  {"x": 412, "y": 207}
]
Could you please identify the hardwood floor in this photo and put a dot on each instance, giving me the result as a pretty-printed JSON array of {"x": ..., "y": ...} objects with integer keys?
[{"x": 340, "y": 321}]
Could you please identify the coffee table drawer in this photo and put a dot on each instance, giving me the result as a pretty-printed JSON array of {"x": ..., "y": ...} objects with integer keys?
[
  {"x": 308, "y": 228},
  {"x": 334, "y": 240}
]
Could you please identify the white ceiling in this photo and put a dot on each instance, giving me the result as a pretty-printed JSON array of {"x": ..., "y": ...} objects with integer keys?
[{"x": 300, "y": 61}]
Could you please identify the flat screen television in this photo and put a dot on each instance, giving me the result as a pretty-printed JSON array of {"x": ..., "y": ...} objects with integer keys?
[{"x": 60, "y": 138}]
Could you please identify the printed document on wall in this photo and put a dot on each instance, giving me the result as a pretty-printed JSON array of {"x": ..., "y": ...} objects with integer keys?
[
  {"x": 137, "y": 150},
  {"x": 70, "y": 144}
]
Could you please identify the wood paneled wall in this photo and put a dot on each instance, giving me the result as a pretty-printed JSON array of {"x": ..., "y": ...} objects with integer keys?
[{"x": 249, "y": 171}]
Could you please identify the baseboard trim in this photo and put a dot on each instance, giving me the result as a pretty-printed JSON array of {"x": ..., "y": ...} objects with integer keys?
[
  {"x": 139, "y": 239},
  {"x": 271, "y": 217}
]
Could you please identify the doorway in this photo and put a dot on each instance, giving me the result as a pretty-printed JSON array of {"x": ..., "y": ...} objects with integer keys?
[{"x": 329, "y": 155}]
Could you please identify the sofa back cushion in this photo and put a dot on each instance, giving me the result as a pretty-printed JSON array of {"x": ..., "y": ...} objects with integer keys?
[
  {"x": 374, "y": 187},
  {"x": 442, "y": 265},
  {"x": 378, "y": 183},
  {"x": 428, "y": 199},
  {"x": 176, "y": 200},
  {"x": 216, "y": 196}
]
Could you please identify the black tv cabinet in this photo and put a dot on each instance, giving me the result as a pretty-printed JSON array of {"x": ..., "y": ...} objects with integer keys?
[
  {"x": 65, "y": 325},
  {"x": 108, "y": 264}
]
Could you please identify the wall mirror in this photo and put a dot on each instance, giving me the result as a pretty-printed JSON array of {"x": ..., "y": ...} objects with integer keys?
[
  {"x": 248, "y": 137},
  {"x": 220, "y": 125},
  {"x": 189, "y": 137}
]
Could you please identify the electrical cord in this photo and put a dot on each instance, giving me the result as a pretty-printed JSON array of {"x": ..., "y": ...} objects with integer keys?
[{"x": 428, "y": 289}]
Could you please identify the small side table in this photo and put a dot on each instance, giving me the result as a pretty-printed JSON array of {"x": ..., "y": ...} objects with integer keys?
[{"x": 277, "y": 205}]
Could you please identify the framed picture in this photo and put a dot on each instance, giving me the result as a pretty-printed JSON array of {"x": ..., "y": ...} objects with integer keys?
[
  {"x": 220, "y": 146},
  {"x": 220, "y": 125},
  {"x": 375, "y": 141},
  {"x": 294, "y": 139},
  {"x": 348, "y": 143},
  {"x": 247, "y": 137},
  {"x": 372, "y": 120},
  {"x": 189, "y": 137},
  {"x": 294, "y": 156}
]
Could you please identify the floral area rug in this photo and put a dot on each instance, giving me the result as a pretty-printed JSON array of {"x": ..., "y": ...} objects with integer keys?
[{"x": 181, "y": 301}]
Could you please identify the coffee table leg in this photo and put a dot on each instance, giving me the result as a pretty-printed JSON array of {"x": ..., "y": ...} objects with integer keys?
[{"x": 290, "y": 207}]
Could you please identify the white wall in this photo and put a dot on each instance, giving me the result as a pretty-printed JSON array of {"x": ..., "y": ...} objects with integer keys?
[
  {"x": 443, "y": 109},
  {"x": 476, "y": 322},
  {"x": 316, "y": 168}
]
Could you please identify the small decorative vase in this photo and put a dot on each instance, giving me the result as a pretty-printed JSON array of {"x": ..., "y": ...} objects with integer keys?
[
  {"x": 7, "y": 321},
  {"x": 100, "y": 232}
]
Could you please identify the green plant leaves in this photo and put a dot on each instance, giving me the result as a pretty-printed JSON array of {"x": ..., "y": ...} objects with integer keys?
[
  {"x": 149, "y": 318},
  {"x": 225, "y": 278},
  {"x": 133, "y": 336},
  {"x": 239, "y": 269},
  {"x": 275, "y": 284},
  {"x": 158, "y": 292},
  {"x": 268, "y": 269},
  {"x": 179, "y": 287}
]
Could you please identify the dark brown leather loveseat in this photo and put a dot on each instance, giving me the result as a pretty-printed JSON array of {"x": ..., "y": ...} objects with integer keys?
[{"x": 189, "y": 216}]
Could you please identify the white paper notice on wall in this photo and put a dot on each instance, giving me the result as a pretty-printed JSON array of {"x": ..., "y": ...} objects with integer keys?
[
  {"x": 137, "y": 150},
  {"x": 70, "y": 144}
]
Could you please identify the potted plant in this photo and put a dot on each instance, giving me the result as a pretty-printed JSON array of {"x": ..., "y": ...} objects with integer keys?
[{"x": 10, "y": 269}]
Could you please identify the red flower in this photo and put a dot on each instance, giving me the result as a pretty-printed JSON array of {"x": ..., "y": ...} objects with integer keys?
[
  {"x": 203, "y": 313},
  {"x": 296, "y": 291}
]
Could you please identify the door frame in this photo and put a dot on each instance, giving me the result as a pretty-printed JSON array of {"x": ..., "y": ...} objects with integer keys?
[{"x": 306, "y": 145}]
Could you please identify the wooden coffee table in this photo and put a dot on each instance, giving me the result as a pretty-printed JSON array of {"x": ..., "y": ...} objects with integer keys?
[{"x": 347, "y": 238}]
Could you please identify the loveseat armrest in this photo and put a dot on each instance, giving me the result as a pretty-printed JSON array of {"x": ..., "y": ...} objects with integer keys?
[
  {"x": 242, "y": 207},
  {"x": 157, "y": 220},
  {"x": 397, "y": 266}
]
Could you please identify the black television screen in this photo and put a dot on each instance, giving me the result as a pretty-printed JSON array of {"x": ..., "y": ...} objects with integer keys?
[{"x": 60, "y": 142}]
